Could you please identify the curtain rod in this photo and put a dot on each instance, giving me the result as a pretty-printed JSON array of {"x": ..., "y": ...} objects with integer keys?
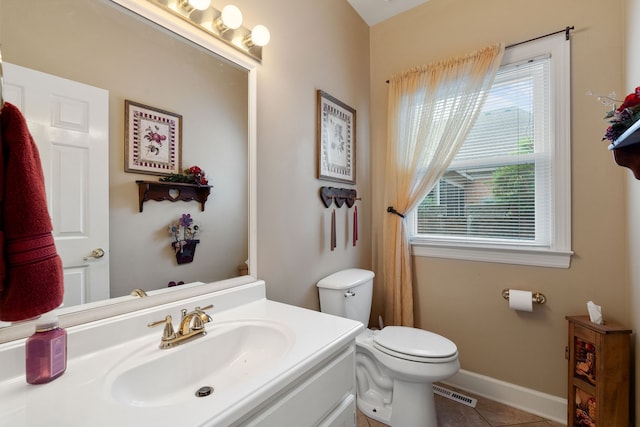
[{"x": 565, "y": 31}]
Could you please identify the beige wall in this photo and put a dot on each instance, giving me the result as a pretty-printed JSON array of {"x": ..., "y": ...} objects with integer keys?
[
  {"x": 462, "y": 299},
  {"x": 314, "y": 45},
  {"x": 632, "y": 81}
]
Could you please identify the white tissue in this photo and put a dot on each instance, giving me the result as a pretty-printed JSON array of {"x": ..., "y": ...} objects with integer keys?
[
  {"x": 595, "y": 313},
  {"x": 520, "y": 300}
]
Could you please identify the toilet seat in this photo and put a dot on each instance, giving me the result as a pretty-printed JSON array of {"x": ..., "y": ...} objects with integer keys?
[{"x": 415, "y": 344}]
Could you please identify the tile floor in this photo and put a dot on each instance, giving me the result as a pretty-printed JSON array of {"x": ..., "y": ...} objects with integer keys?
[{"x": 487, "y": 413}]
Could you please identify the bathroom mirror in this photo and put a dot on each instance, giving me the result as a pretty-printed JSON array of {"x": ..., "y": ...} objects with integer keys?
[{"x": 147, "y": 239}]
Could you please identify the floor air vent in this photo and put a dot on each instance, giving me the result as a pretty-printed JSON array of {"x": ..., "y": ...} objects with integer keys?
[{"x": 455, "y": 396}]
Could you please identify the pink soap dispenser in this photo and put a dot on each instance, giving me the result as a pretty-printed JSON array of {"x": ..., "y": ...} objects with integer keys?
[{"x": 46, "y": 351}]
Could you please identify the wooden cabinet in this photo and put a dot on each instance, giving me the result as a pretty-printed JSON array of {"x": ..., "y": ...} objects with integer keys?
[{"x": 599, "y": 372}]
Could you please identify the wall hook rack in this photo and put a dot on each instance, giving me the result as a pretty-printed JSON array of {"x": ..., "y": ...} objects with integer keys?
[{"x": 339, "y": 195}]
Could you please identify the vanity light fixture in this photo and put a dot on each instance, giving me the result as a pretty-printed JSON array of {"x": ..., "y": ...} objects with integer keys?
[
  {"x": 229, "y": 19},
  {"x": 200, "y": 4},
  {"x": 188, "y": 6},
  {"x": 259, "y": 36},
  {"x": 225, "y": 25}
]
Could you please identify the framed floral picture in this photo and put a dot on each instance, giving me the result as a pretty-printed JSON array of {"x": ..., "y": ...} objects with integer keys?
[
  {"x": 152, "y": 140},
  {"x": 336, "y": 136}
]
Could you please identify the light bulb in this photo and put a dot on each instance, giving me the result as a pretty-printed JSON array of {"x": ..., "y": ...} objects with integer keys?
[
  {"x": 260, "y": 35},
  {"x": 200, "y": 4},
  {"x": 231, "y": 17}
]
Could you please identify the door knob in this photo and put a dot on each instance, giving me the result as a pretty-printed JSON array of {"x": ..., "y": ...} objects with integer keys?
[{"x": 96, "y": 253}]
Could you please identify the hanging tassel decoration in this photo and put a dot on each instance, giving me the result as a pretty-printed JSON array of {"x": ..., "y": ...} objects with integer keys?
[
  {"x": 333, "y": 229},
  {"x": 355, "y": 225}
]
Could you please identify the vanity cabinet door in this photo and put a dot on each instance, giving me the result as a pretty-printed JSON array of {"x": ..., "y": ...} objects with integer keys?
[
  {"x": 326, "y": 397},
  {"x": 343, "y": 416}
]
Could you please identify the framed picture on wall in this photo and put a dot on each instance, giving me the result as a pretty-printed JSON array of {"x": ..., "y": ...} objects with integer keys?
[
  {"x": 336, "y": 139},
  {"x": 152, "y": 140}
]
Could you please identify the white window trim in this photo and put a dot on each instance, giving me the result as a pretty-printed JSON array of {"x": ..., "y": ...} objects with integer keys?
[
  {"x": 558, "y": 254},
  {"x": 490, "y": 253}
]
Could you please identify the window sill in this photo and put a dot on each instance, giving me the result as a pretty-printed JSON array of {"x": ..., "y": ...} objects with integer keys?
[{"x": 493, "y": 253}]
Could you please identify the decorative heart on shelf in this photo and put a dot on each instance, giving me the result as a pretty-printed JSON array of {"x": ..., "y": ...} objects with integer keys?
[{"x": 174, "y": 193}]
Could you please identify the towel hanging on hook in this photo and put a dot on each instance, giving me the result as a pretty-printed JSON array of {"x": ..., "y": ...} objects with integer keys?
[
  {"x": 355, "y": 225},
  {"x": 333, "y": 230}
]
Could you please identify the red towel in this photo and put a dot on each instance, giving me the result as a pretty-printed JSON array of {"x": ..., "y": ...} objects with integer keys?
[
  {"x": 31, "y": 276},
  {"x": 355, "y": 225},
  {"x": 333, "y": 229}
]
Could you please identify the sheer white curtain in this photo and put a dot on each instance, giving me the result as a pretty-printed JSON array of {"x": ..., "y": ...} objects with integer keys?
[{"x": 431, "y": 111}]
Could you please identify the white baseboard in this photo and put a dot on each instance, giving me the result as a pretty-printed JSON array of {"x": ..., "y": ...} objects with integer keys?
[{"x": 544, "y": 405}]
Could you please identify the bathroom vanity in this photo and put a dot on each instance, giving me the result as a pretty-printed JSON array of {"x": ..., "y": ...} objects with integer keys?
[{"x": 261, "y": 363}]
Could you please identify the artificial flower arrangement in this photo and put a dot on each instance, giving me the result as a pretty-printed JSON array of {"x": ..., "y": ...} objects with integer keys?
[
  {"x": 192, "y": 175},
  {"x": 184, "y": 231},
  {"x": 621, "y": 118}
]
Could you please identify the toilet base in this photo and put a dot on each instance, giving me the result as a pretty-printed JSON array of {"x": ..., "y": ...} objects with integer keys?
[
  {"x": 376, "y": 412},
  {"x": 413, "y": 405}
]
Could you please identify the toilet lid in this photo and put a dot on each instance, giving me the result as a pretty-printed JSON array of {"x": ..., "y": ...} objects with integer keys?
[{"x": 413, "y": 343}]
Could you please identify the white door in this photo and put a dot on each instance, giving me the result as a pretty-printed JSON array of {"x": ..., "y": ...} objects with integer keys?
[{"x": 69, "y": 122}]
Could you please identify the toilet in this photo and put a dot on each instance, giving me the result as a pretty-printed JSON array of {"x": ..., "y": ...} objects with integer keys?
[{"x": 396, "y": 366}]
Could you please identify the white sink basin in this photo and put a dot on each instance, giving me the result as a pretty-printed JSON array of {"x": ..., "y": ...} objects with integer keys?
[
  {"x": 260, "y": 357},
  {"x": 231, "y": 354}
]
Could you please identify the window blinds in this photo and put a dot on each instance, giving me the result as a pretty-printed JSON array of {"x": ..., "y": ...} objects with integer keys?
[{"x": 497, "y": 188}]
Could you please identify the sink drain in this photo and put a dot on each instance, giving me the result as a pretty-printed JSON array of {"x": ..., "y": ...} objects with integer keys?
[{"x": 204, "y": 391}]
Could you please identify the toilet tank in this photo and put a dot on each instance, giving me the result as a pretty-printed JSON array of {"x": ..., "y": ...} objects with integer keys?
[{"x": 347, "y": 293}]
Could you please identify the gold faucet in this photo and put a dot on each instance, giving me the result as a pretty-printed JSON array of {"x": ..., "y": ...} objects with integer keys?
[
  {"x": 138, "y": 293},
  {"x": 191, "y": 326}
]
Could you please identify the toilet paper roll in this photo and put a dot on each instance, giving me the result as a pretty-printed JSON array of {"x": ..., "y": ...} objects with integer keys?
[{"x": 520, "y": 300}]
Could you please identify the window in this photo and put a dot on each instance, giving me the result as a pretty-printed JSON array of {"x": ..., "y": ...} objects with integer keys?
[{"x": 506, "y": 196}]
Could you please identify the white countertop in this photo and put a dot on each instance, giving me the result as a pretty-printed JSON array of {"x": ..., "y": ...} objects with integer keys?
[{"x": 82, "y": 396}]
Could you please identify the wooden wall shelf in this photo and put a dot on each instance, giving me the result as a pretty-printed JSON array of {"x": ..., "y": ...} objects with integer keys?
[{"x": 172, "y": 191}]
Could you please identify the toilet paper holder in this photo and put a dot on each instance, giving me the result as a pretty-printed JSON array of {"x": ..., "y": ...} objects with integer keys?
[{"x": 537, "y": 297}]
